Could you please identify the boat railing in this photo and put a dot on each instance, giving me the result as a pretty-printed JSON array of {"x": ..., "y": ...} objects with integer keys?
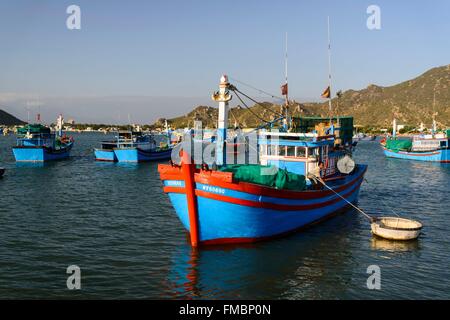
[{"x": 37, "y": 141}]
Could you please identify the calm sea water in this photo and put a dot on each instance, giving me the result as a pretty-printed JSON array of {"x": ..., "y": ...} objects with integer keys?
[{"x": 115, "y": 223}]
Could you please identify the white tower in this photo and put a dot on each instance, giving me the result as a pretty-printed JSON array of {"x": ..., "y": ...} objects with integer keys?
[{"x": 222, "y": 96}]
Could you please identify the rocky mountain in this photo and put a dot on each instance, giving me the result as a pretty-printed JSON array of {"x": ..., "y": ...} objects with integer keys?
[
  {"x": 412, "y": 102},
  {"x": 7, "y": 119}
]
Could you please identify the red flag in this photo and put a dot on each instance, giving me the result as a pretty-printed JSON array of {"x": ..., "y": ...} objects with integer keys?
[{"x": 284, "y": 89}]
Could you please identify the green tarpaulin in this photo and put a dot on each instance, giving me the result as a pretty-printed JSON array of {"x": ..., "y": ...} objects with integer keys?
[
  {"x": 33, "y": 128},
  {"x": 399, "y": 145},
  {"x": 269, "y": 176}
]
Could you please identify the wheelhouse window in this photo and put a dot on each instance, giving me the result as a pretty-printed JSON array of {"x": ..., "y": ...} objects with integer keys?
[
  {"x": 290, "y": 151},
  {"x": 282, "y": 151},
  {"x": 301, "y": 152}
]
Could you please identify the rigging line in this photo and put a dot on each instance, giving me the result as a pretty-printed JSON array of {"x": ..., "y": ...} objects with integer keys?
[
  {"x": 251, "y": 111},
  {"x": 256, "y": 102},
  {"x": 235, "y": 119},
  {"x": 254, "y": 88}
]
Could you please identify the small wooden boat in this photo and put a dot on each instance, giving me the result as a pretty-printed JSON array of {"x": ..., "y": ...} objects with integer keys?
[{"x": 394, "y": 228}]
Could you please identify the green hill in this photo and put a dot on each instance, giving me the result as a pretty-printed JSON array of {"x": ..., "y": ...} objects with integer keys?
[
  {"x": 7, "y": 119},
  {"x": 410, "y": 101}
]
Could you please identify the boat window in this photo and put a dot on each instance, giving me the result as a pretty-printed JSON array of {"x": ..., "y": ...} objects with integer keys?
[
  {"x": 301, "y": 152},
  {"x": 282, "y": 151},
  {"x": 290, "y": 151}
]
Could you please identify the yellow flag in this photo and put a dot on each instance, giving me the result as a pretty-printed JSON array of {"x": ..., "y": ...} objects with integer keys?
[{"x": 327, "y": 93}]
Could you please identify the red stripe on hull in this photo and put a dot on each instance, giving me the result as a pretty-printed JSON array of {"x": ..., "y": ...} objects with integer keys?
[
  {"x": 268, "y": 205},
  {"x": 414, "y": 154},
  {"x": 216, "y": 179},
  {"x": 174, "y": 190},
  {"x": 419, "y": 155}
]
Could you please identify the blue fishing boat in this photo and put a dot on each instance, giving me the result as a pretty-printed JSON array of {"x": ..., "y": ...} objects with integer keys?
[
  {"x": 36, "y": 143},
  {"x": 106, "y": 151},
  {"x": 280, "y": 194},
  {"x": 132, "y": 146},
  {"x": 434, "y": 147}
]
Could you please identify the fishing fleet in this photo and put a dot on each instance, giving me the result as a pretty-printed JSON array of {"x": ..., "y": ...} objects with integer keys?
[{"x": 232, "y": 187}]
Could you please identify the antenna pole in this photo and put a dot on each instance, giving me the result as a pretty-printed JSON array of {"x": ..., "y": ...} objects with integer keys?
[
  {"x": 434, "y": 112},
  {"x": 329, "y": 76},
  {"x": 286, "y": 88},
  {"x": 286, "y": 68}
]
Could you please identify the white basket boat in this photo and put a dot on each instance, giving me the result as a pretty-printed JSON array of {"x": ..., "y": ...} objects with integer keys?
[{"x": 393, "y": 228}]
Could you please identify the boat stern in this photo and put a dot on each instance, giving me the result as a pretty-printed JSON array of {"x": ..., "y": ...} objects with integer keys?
[
  {"x": 29, "y": 154},
  {"x": 107, "y": 155},
  {"x": 126, "y": 154}
]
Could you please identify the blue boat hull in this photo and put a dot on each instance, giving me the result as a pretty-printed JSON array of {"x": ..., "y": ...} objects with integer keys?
[
  {"x": 137, "y": 155},
  {"x": 40, "y": 154},
  {"x": 226, "y": 215},
  {"x": 442, "y": 155},
  {"x": 105, "y": 155}
]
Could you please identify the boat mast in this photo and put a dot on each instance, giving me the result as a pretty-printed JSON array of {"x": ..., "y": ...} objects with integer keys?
[
  {"x": 223, "y": 97},
  {"x": 59, "y": 124},
  {"x": 433, "y": 132},
  {"x": 329, "y": 78},
  {"x": 286, "y": 84},
  {"x": 168, "y": 132},
  {"x": 394, "y": 127}
]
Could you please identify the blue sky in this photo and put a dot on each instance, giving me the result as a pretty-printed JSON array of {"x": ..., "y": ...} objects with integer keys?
[{"x": 154, "y": 51}]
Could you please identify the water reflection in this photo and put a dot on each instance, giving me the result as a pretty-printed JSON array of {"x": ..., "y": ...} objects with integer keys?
[
  {"x": 290, "y": 266},
  {"x": 32, "y": 164},
  {"x": 378, "y": 243}
]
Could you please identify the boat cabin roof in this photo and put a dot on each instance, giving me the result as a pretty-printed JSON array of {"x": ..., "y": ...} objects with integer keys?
[{"x": 310, "y": 140}]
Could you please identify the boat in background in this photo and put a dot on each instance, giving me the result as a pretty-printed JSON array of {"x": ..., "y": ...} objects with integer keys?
[
  {"x": 36, "y": 143},
  {"x": 434, "y": 147},
  {"x": 246, "y": 203},
  {"x": 106, "y": 151},
  {"x": 135, "y": 146}
]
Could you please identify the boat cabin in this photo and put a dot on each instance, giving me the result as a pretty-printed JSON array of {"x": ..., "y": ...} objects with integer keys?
[
  {"x": 35, "y": 135},
  {"x": 316, "y": 140},
  {"x": 424, "y": 143},
  {"x": 299, "y": 153}
]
